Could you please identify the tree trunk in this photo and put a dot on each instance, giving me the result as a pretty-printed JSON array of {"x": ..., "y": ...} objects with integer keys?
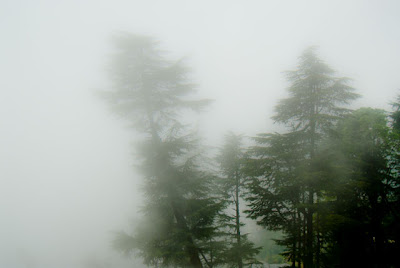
[
  {"x": 309, "y": 246},
  {"x": 304, "y": 234},
  {"x": 318, "y": 246},
  {"x": 309, "y": 261},
  {"x": 238, "y": 236},
  {"x": 299, "y": 255}
]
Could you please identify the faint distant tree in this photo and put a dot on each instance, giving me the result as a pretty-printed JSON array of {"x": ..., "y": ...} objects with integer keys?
[{"x": 178, "y": 214}]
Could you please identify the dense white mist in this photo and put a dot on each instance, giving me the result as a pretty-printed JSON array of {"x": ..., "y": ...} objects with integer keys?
[{"x": 66, "y": 177}]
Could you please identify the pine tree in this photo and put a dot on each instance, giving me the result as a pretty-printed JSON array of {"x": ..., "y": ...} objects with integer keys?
[
  {"x": 288, "y": 186},
  {"x": 178, "y": 214},
  {"x": 241, "y": 251}
]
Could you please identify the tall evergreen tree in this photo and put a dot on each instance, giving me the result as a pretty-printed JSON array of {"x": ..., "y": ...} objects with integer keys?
[
  {"x": 241, "y": 251},
  {"x": 315, "y": 103},
  {"x": 178, "y": 214}
]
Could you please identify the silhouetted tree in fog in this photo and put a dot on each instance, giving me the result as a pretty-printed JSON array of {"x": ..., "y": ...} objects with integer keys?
[
  {"x": 286, "y": 187},
  {"x": 241, "y": 251},
  {"x": 149, "y": 91}
]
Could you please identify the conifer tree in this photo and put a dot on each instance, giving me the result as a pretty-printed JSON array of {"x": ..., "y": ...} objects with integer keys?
[
  {"x": 178, "y": 212},
  {"x": 241, "y": 251},
  {"x": 287, "y": 187}
]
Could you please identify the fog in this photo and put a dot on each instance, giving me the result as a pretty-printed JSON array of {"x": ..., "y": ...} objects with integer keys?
[{"x": 66, "y": 176}]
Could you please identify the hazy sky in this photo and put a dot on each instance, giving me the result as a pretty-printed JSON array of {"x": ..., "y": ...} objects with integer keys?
[{"x": 65, "y": 162}]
